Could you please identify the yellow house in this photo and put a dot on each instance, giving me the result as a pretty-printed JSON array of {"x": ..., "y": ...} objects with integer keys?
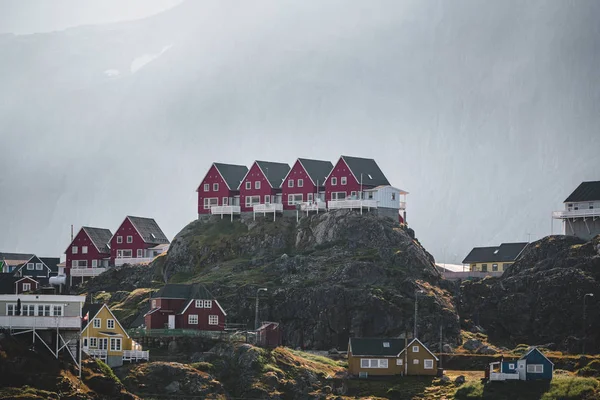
[
  {"x": 104, "y": 337},
  {"x": 494, "y": 259}
]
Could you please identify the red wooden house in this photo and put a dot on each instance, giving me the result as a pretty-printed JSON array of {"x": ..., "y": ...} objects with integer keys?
[
  {"x": 137, "y": 240},
  {"x": 305, "y": 182},
  {"x": 89, "y": 249},
  {"x": 11, "y": 284},
  {"x": 351, "y": 176},
  {"x": 262, "y": 184},
  {"x": 269, "y": 335},
  {"x": 179, "y": 306},
  {"x": 220, "y": 186}
]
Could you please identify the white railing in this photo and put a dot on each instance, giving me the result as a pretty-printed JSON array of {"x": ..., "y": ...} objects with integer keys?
[
  {"x": 87, "y": 271},
  {"x": 403, "y": 205},
  {"x": 141, "y": 260},
  {"x": 225, "y": 210},
  {"x": 595, "y": 212},
  {"x": 500, "y": 376},
  {"x": 313, "y": 206},
  {"x": 95, "y": 353},
  {"x": 135, "y": 355},
  {"x": 271, "y": 207},
  {"x": 22, "y": 322},
  {"x": 351, "y": 204}
]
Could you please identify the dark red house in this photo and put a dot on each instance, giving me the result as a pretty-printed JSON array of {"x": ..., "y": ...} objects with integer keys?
[
  {"x": 262, "y": 184},
  {"x": 220, "y": 186},
  {"x": 351, "y": 175},
  {"x": 136, "y": 240},
  {"x": 26, "y": 284},
  {"x": 269, "y": 335},
  {"x": 304, "y": 182},
  {"x": 180, "y": 306},
  {"x": 89, "y": 249}
]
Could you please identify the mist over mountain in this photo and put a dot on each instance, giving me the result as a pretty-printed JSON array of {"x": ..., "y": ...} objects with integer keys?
[{"x": 487, "y": 114}]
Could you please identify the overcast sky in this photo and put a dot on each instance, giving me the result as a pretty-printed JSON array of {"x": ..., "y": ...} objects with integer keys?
[{"x": 486, "y": 112}]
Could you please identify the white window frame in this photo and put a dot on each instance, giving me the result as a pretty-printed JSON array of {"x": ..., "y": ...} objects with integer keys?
[
  {"x": 30, "y": 266},
  {"x": 415, "y": 349},
  {"x": 393, "y": 196},
  {"x": 386, "y": 344},
  {"x": 213, "y": 320},
  {"x": 343, "y": 180},
  {"x": 207, "y": 303},
  {"x": 353, "y": 193},
  {"x": 121, "y": 253},
  {"x": 44, "y": 310},
  {"x": 26, "y": 287},
  {"x": 199, "y": 304},
  {"x": 74, "y": 250},
  {"x": 511, "y": 366},
  {"x": 416, "y": 361},
  {"x": 110, "y": 324},
  {"x": 207, "y": 187},
  {"x": 84, "y": 249},
  {"x": 210, "y": 202},
  {"x": 248, "y": 185},
  {"x": 10, "y": 309},
  {"x": 257, "y": 185},
  {"x": 296, "y": 198},
  {"x": 93, "y": 342},
  {"x": 57, "y": 311},
  {"x": 140, "y": 253},
  {"x": 374, "y": 363},
  {"x": 309, "y": 196},
  {"x": 250, "y": 200},
  {"x": 73, "y": 263},
  {"x": 399, "y": 361},
  {"x": 119, "y": 239},
  {"x": 129, "y": 239},
  {"x": 97, "y": 323},
  {"x": 193, "y": 319},
  {"x": 267, "y": 199},
  {"x": 103, "y": 343},
  {"x": 215, "y": 187},
  {"x": 94, "y": 263},
  {"x": 81, "y": 264},
  {"x": 333, "y": 181},
  {"x": 28, "y": 310},
  {"x": 115, "y": 344},
  {"x": 225, "y": 201},
  {"x": 428, "y": 364},
  {"x": 291, "y": 183},
  {"x": 39, "y": 266},
  {"x": 535, "y": 368},
  {"x": 335, "y": 196},
  {"x": 153, "y": 303},
  {"x": 300, "y": 182}
]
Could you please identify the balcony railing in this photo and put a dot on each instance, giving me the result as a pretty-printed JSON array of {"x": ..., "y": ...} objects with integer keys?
[
  {"x": 225, "y": 210},
  {"x": 403, "y": 205},
  {"x": 96, "y": 353},
  {"x": 87, "y": 271},
  {"x": 502, "y": 376},
  {"x": 135, "y": 355},
  {"x": 313, "y": 206},
  {"x": 141, "y": 260},
  {"x": 27, "y": 322},
  {"x": 270, "y": 207},
  {"x": 351, "y": 204},
  {"x": 585, "y": 213}
]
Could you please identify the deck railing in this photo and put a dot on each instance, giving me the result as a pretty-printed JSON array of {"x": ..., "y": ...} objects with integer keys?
[
  {"x": 30, "y": 322},
  {"x": 87, "y": 271},
  {"x": 501, "y": 376},
  {"x": 586, "y": 213},
  {"x": 225, "y": 210},
  {"x": 351, "y": 204},
  {"x": 95, "y": 353},
  {"x": 313, "y": 206},
  {"x": 135, "y": 355}
]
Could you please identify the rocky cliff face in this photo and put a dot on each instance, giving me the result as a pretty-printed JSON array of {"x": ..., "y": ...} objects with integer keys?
[
  {"x": 539, "y": 299},
  {"x": 329, "y": 276}
]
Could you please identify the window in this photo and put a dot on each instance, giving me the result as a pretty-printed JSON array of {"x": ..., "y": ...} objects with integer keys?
[
  {"x": 210, "y": 202},
  {"x": 415, "y": 361},
  {"x": 399, "y": 361},
  {"x": 364, "y": 363},
  {"x": 344, "y": 180},
  {"x": 251, "y": 200},
  {"x": 124, "y": 253},
  {"x": 484, "y": 267},
  {"x": 44, "y": 310},
  {"x": 94, "y": 263},
  {"x": 494, "y": 267},
  {"x": 213, "y": 320},
  {"x": 75, "y": 250},
  {"x": 353, "y": 194},
  {"x": 199, "y": 304},
  {"x": 26, "y": 287},
  {"x": 294, "y": 199},
  {"x": 103, "y": 343},
  {"x": 129, "y": 239},
  {"x": 393, "y": 196},
  {"x": 415, "y": 349},
  {"x": 57, "y": 311},
  {"x": 81, "y": 264},
  {"x": 28, "y": 310},
  {"x": 97, "y": 322},
  {"x": 511, "y": 366},
  {"x": 267, "y": 199},
  {"x": 10, "y": 309},
  {"x": 300, "y": 182},
  {"x": 363, "y": 374},
  {"x": 119, "y": 239},
  {"x": 428, "y": 364},
  {"x": 386, "y": 344},
  {"x": 291, "y": 183},
  {"x": 248, "y": 185},
  {"x": 39, "y": 266},
  {"x": 73, "y": 263},
  {"x": 591, "y": 206},
  {"x": 309, "y": 197},
  {"x": 333, "y": 181},
  {"x": 115, "y": 344},
  {"x": 570, "y": 206},
  {"x": 383, "y": 363},
  {"x": 373, "y": 363},
  {"x": 207, "y": 303},
  {"x": 193, "y": 319},
  {"x": 140, "y": 253},
  {"x": 85, "y": 342},
  {"x": 338, "y": 195},
  {"x": 110, "y": 324},
  {"x": 30, "y": 266},
  {"x": 225, "y": 201},
  {"x": 207, "y": 187},
  {"x": 535, "y": 368},
  {"x": 93, "y": 342},
  {"x": 153, "y": 303},
  {"x": 84, "y": 249}
]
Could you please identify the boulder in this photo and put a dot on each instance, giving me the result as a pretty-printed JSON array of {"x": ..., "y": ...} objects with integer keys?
[
  {"x": 447, "y": 348},
  {"x": 445, "y": 379},
  {"x": 486, "y": 350},
  {"x": 472, "y": 344},
  {"x": 459, "y": 380}
]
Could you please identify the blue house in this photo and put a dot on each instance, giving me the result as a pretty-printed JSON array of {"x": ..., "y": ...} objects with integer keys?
[{"x": 532, "y": 366}]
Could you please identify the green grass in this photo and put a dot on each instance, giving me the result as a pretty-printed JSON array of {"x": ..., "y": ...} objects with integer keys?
[
  {"x": 319, "y": 359},
  {"x": 107, "y": 371},
  {"x": 203, "y": 366},
  {"x": 26, "y": 392},
  {"x": 560, "y": 388}
]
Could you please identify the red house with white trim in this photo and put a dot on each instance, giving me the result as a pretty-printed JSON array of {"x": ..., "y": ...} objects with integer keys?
[
  {"x": 305, "y": 182},
  {"x": 350, "y": 176},
  {"x": 89, "y": 249},
  {"x": 180, "y": 306},
  {"x": 137, "y": 240},
  {"x": 262, "y": 184},
  {"x": 220, "y": 187}
]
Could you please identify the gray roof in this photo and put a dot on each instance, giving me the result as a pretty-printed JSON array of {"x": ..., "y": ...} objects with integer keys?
[
  {"x": 375, "y": 347},
  {"x": 100, "y": 237},
  {"x": 16, "y": 258},
  {"x": 275, "y": 172},
  {"x": 149, "y": 230},
  {"x": 51, "y": 262},
  {"x": 232, "y": 174},
  {"x": 506, "y": 252},
  {"x": 586, "y": 191},
  {"x": 139, "y": 319},
  {"x": 183, "y": 291},
  {"x": 371, "y": 173},
  {"x": 317, "y": 170}
]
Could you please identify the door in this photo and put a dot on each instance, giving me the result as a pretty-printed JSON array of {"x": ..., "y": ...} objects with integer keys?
[
  {"x": 171, "y": 322},
  {"x": 521, "y": 368}
]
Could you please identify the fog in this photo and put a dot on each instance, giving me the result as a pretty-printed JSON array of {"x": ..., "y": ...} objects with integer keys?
[{"x": 487, "y": 113}]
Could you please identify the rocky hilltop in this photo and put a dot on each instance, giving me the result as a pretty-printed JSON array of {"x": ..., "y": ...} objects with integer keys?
[
  {"x": 329, "y": 276},
  {"x": 539, "y": 299}
]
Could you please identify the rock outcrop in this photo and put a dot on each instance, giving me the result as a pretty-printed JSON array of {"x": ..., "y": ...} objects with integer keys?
[{"x": 539, "y": 299}]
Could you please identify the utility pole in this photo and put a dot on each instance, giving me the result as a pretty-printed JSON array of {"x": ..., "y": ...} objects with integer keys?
[
  {"x": 584, "y": 337},
  {"x": 441, "y": 345},
  {"x": 256, "y": 312},
  {"x": 416, "y": 308}
]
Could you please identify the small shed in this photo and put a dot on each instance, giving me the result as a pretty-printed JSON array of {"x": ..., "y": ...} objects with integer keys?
[
  {"x": 269, "y": 335},
  {"x": 532, "y": 366}
]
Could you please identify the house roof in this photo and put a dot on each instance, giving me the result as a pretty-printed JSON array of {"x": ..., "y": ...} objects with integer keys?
[
  {"x": 7, "y": 283},
  {"x": 148, "y": 230},
  {"x": 183, "y": 291},
  {"x": 375, "y": 347},
  {"x": 100, "y": 237},
  {"x": 371, "y": 173},
  {"x": 51, "y": 262},
  {"x": 506, "y": 252},
  {"x": 232, "y": 174},
  {"x": 93, "y": 309},
  {"x": 421, "y": 343},
  {"x": 524, "y": 356},
  {"x": 139, "y": 320},
  {"x": 586, "y": 191},
  {"x": 15, "y": 258},
  {"x": 317, "y": 170},
  {"x": 274, "y": 172}
]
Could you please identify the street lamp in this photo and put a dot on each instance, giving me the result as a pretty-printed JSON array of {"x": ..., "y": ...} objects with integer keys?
[
  {"x": 256, "y": 313},
  {"x": 583, "y": 338},
  {"x": 416, "y": 297}
]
